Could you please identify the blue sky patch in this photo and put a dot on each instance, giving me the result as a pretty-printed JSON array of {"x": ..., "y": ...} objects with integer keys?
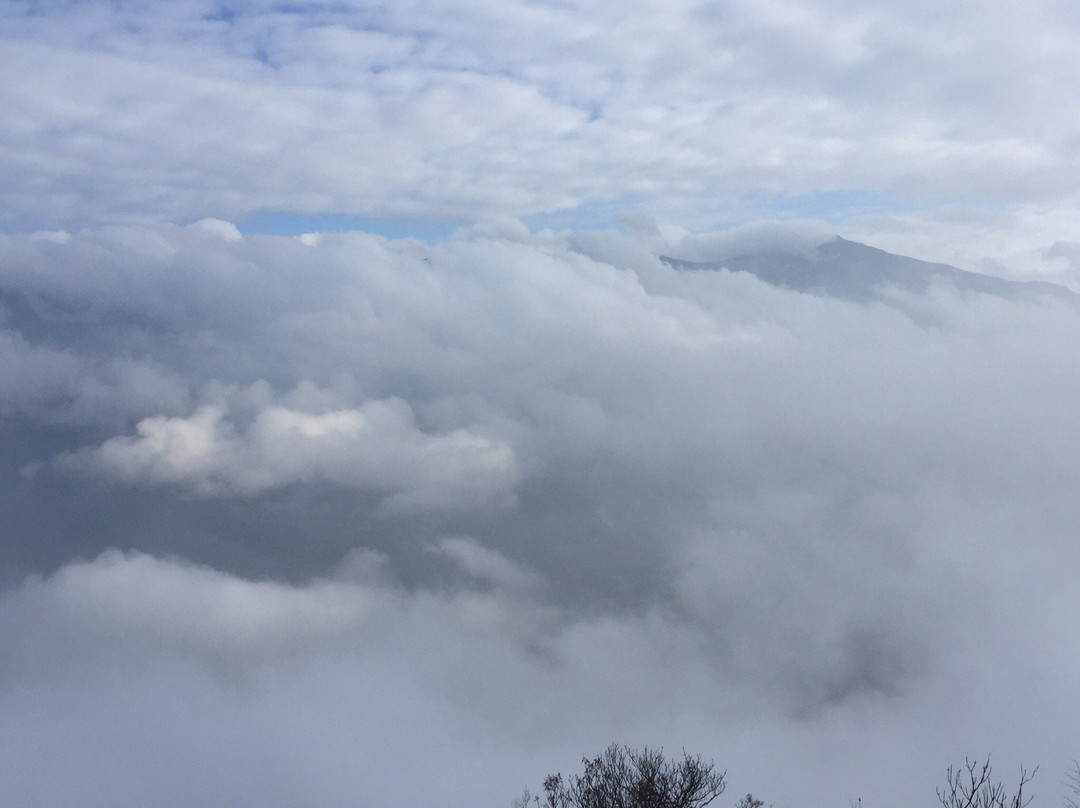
[{"x": 287, "y": 223}]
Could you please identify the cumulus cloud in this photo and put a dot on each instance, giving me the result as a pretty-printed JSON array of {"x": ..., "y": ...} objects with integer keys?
[{"x": 375, "y": 446}]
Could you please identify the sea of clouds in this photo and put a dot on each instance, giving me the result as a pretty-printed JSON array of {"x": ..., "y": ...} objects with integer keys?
[{"x": 337, "y": 520}]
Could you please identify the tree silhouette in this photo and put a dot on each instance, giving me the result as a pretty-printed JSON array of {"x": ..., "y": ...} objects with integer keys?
[
  {"x": 971, "y": 787},
  {"x": 621, "y": 777}
]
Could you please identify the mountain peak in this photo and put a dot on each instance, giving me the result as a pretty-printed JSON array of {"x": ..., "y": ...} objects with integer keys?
[{"x": 854, "y": 271}]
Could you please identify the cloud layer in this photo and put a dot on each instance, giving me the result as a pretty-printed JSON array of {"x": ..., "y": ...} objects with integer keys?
[
  {"x": 899, "y": 116},
  {"x": 344, "y": 519},
  {"x": 322, "y": 518}
]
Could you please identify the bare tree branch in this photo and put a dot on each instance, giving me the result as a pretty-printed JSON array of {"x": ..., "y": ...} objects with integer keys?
[
  {"x": 621, "y": 777},
  {"x": 972, "y": 787}
]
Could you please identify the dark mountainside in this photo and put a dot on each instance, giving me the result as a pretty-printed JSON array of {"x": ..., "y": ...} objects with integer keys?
[{"x": 853, "y": 271}]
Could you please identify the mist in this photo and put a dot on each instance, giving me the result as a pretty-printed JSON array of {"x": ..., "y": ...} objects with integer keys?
[
  {"x": 400, "y": 401},
  {"x": 342, "y": 519}
]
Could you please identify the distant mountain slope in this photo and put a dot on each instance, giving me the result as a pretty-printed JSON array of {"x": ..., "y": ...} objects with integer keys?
[{"x": 853, "y": 271}]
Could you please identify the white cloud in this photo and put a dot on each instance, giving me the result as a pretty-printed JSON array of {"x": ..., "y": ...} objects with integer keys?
[
  {"x": 734, "y": 517},
  {"x": 226, "y": 230},
  {"x": 376, "y": 446},
  {"x": 119, "y": 603},
  {"x": 160, "y": 681},
  {"x": 402, "y": 522},
  {"x": 686, "y": 111}
]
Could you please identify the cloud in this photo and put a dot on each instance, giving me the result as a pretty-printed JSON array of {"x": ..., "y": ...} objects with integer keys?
[
  {"x": 62, "y": 386},
  {"x": 236, "y": 692},
  {"x": 532, "y": 492},
  {"x": 690, "y": 112},
  {"x": 485, "y": 565},
  {"x": 339, "y": 520},
  {"x": 375, "y": 446},
  {"x": 226, "y": 230},
  {"x": 143, "y": 604}
]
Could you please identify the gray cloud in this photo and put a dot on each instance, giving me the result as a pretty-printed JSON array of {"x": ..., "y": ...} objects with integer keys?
[
  {"x": 349, "y": 688},
  {"x": 727, "y": 515},
  {"x": 337, "y": 520}
]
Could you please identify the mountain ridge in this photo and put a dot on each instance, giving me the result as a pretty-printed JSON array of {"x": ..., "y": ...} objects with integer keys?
[{"x": 859, "y": 272}]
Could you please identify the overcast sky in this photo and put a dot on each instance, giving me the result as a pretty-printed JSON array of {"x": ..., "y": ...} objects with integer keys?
[{"x": 357, "y": 448}]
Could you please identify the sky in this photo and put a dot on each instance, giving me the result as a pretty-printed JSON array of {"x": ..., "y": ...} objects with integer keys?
[{"x": 361, "y": 444}]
